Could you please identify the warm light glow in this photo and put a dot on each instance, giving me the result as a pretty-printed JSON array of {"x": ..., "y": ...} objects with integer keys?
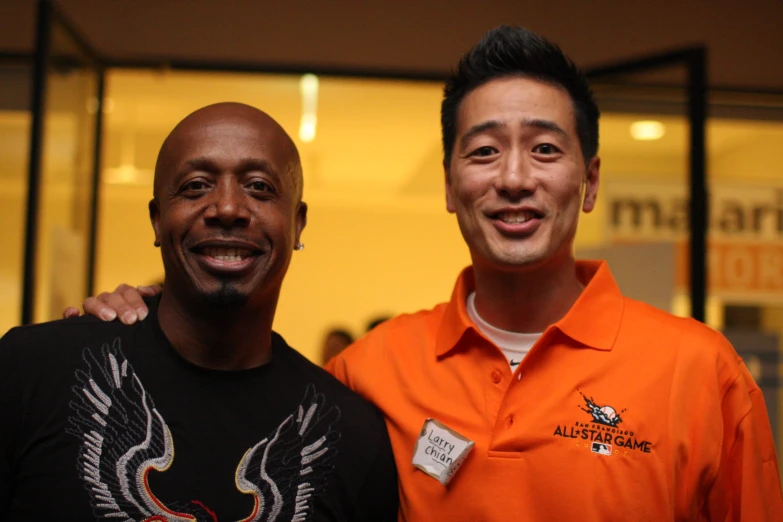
[
  {"x": 308, "y": 87},
  {"x": 647, "y": 130},
  {"x": 307, "y": 127},
  {"x": 92, "y": 105},
  {"x": 127, "y": 174}
]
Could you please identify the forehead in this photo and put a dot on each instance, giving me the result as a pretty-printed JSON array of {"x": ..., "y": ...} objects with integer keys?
[
  {"x": 230, "y": 139},
  {"x": 515, "y": 99}
]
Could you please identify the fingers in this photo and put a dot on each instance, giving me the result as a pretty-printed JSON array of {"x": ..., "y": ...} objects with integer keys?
[
  {"x": 149, "y": 290},
  {"x": 128, "y": 303},
  {"x": 70, "y": 312},
  {"x": 93, "y": 306},
  {"x": 125, "y": 302}
]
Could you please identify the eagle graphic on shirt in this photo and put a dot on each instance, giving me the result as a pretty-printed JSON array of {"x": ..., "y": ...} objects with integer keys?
[{"x": 124, "y": 437}]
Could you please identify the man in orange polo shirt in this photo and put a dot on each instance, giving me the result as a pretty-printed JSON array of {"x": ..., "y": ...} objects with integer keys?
[
  {"x": 581, "y": 404},
  {"x": 539, "y": 392}
]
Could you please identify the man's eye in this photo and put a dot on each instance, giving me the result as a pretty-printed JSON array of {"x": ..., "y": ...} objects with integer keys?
[
  {"x": 546, "y": 148},
  {"x": 195, "y": 185},
  {"x": 483, "y": 151},
  {"x": 260, "y": 186}
]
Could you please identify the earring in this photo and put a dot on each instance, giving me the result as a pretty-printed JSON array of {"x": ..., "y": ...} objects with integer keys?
[{"x": 299, "y": 246}]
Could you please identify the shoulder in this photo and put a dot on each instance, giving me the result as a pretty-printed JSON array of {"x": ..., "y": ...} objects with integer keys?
[
  {"x": 696, "y": 346},
  {"x": 396, "y": 337},
  {"x": 58, "y": 340},
  {"x": 354, "y": 409},
  {"x": 58, "y": 327},
  {"x": 644, "y": 318}
]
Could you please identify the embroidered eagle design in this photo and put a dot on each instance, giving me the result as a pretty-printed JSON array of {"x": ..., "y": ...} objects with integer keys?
[{"x": 124, "y": 437}]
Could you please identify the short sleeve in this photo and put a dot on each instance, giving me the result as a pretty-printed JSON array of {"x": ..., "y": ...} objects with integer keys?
[{"x": 747, "y": 487}]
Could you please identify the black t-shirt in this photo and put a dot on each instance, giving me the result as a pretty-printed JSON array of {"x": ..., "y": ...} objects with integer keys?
[{"x": 101, "y": 421}]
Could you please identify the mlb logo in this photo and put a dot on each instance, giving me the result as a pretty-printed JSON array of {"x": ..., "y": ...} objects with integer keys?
[{"x": 601, "y": 448}]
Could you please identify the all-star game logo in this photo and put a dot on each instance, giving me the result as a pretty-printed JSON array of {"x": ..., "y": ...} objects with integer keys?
[
  {"x": 603, "y": 433},
  {"x": 605, "y": 415}
]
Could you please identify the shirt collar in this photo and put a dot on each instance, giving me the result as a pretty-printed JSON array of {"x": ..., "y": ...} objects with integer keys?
[{"x": 593, "y": 321}]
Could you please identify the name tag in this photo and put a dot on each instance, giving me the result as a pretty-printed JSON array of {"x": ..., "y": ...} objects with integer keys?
[{"x": 440, "y": 451}]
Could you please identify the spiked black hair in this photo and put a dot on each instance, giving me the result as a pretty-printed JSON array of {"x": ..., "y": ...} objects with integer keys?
[{"x": 515, "y": 51}]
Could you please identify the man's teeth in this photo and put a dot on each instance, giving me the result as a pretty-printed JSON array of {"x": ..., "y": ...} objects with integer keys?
[
  {"x": 227, "y": 254},
  {"x": 516, "y": 217}
]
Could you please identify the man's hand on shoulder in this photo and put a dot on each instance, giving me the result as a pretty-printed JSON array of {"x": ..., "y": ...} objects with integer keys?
[{"x": 126, "y": 302}]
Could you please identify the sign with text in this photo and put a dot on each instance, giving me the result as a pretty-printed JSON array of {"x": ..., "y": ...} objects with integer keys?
[
  {"x": 741, "y": 267},
  {"x": 745, "y": 245},
  {"x": 647, "y": 211}
]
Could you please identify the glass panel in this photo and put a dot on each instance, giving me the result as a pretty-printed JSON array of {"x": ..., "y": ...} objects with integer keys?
[
  {"x": 640, "y": 225},
  {"x": 15, "y": 120},
  {"x": 66, "y": 177},
  {"x": 379, "y": 240}
]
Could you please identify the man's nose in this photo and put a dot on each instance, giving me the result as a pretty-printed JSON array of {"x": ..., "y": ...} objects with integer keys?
[
  {"x": 228, "y": 207},
  {"x": 516, "y": 177}
]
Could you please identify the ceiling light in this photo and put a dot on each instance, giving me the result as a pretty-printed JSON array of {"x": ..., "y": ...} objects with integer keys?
[
  {"x": 308, "y": 88},
  {"x": 307, "y": 127},
  {"x": 647, "y": 130}
]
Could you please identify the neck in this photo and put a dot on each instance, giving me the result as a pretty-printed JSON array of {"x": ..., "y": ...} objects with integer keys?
[
  {"x": 232, "y": 339},
  {"x": 526, "y": 301}
]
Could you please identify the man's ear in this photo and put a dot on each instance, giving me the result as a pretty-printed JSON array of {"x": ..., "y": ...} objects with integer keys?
[
  {"x": 155, "y": 219},
  {"x": 592, "y": 178},
  {"x": 301, "y": 220},
  {"x": 447, "y": 178}
]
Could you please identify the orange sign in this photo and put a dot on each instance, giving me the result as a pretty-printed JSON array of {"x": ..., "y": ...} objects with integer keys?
[{"x": 737, "y": 266}]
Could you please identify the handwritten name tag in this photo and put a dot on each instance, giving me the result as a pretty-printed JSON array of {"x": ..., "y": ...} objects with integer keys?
[{"x": 440, "y": 451}]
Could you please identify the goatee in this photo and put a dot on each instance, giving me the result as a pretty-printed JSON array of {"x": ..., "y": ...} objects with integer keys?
[{"x": 227, "y": 296}]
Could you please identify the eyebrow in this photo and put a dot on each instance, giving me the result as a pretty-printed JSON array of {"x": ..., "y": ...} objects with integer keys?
[
  {"x": 245, "y": 165},
  {"x": 537, "y": 123}
]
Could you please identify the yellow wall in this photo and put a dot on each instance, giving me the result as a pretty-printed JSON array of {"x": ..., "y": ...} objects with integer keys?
[{"x": 14, "y": 146}]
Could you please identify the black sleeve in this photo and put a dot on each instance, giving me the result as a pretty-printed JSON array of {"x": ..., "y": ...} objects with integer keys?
[
  {"x": 379, "y": 499},
  {"x": 9, "y": 419}
]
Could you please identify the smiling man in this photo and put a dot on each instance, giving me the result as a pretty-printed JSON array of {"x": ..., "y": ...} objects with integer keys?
[
  {"x": 201, "y": 412},
  {"x": 539, "y": 392}
]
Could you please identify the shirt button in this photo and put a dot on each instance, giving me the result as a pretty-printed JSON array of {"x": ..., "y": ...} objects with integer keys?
[
  {"x": 495, "y": 376},
  {"x": 510, "y": 421}
]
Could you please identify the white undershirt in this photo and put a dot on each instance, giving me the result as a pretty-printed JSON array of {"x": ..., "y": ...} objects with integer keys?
[{"x": 513, "y": 345}]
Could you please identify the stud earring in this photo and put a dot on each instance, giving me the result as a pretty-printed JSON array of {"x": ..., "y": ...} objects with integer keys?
[{"x": 299, "y": 246}]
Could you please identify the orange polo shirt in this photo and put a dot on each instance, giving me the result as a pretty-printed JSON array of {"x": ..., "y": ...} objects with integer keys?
[{"x": 619, "y": 412}]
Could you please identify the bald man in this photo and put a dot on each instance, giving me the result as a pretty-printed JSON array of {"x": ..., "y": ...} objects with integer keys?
[{"x": 201, "y": 412}]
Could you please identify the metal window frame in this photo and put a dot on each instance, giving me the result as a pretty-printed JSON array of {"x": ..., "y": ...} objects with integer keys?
[
  {"x": 47, "y": 16},
  {"x": 694, "y": 59}
]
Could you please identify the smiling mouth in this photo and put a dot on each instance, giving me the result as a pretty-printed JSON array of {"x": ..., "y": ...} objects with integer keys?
[
  {"x": 513, "y": 218},
  {"x": 228, "y": 254}
]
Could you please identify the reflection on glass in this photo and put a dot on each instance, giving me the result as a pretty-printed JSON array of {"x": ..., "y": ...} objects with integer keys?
[
  {"x": 14, "y": 145},
  {"x": 66, "y": 178}
]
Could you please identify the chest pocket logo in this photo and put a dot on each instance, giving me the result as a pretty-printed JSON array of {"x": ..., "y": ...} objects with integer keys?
[{"x": 603, "y": 433}]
